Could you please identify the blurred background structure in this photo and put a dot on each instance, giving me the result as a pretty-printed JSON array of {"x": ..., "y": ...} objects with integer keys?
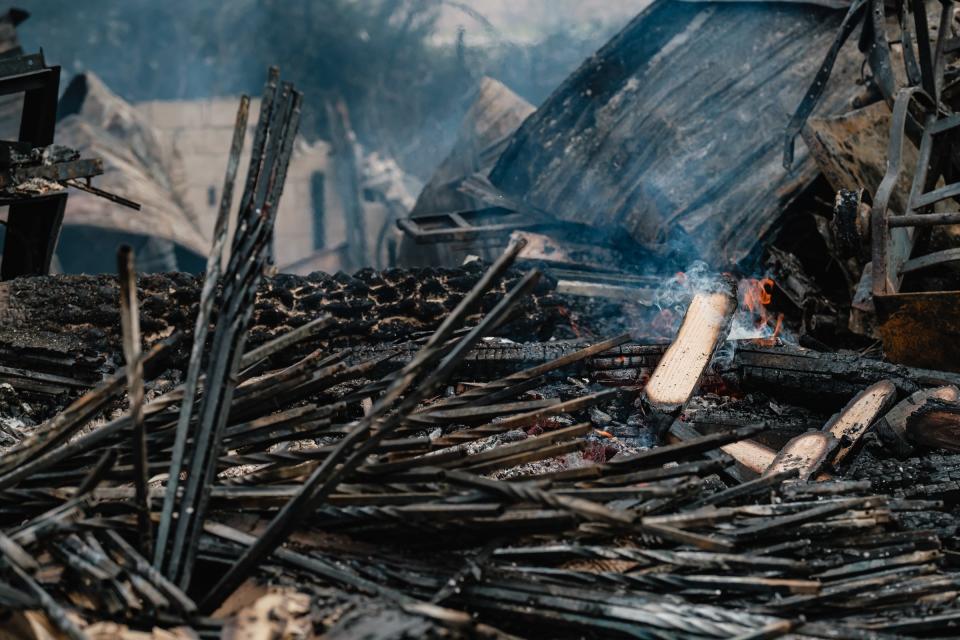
[{"x": 151, "y": 88}]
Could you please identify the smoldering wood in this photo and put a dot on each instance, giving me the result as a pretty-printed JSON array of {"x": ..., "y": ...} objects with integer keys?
[
  {"x": 935, "y": 424},
  {"x": 807, "y": 453},
  {"x": 892, "y": 428},
  {"x": 405, "y": 475},
  {"x": 684, "y": 362},
  {"x": 858, "y": 415}
]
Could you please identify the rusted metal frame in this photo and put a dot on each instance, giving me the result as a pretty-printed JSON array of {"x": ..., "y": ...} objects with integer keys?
[
  {"x": 200, "y": 329},
  {"x": 230, "y": 335},
  {"x": 915, "y": 199},
  {"x": 33, "y": 230},
  {"x": 130, "y": 323},
  {"x": 922, "y": 29},
  {"x": 878, "y": 51},
  {"x": 809, "y": 102},
  {"x": 22, "y": 65},
  {"x": 883, "y": 279},
  {"x": 914, "y": 75},
  {"x": 948, "y": 191},
  {"x": 944, "y": 124},
  {"x": 354, "y": 446},
  {"x": 935, "y": 259},
  {"x": 37, "y": 220},
  {"x": 939, "y": 58}
]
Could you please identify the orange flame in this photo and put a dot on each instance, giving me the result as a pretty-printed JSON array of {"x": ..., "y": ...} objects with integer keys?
[{"x": 755, "y": 295}]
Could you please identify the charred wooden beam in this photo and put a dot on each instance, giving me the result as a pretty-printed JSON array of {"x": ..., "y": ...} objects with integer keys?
[
  {"x": 892, "y": 428},
  {"x": 935, "y": 424}
]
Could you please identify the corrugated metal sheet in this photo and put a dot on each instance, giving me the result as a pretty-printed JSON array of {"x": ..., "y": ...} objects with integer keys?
[{"x": 673, "y": 130}]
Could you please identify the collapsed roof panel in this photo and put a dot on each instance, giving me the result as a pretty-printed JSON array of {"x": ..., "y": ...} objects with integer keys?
[
  {"x": 137, "y": 165},
  {"x": 673, "y": 130},
  {"x": 495, "y": 113}
]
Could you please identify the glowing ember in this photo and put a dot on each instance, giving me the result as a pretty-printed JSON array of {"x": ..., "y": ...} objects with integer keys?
[
  {"x": 664, "y": 324},
  {"x": 574, "y": 326}
]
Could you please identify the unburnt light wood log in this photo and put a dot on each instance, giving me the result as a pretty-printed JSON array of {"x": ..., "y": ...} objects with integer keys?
[
  {"x": 852, "y": 422},
  {"x": 936, "y": 424},
  {"x": 752, "y": 458},
  {"x": 807, "y": 453},
  {"x": 704, "y": 327},
  {"x": 892, "y": 428},
  {"x": 752, "y": 455}
]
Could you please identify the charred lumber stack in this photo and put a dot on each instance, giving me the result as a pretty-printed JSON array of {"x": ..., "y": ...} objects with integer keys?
[
  {"x": 395, "y": 490},
  {"x": 471, "y": 452}
]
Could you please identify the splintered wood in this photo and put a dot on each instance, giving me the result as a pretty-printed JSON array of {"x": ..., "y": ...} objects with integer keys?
[
  {"x": 806, "y": 453},
  {"x": 892, "y": 428},
  {"x": 936, "y": 424},
  {"x": 679, "y": 372},
  {"x": 852, "y": 422}
]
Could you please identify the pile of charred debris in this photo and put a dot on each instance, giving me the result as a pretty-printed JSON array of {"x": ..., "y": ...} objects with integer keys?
[{"x": 540, "y": 442}]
